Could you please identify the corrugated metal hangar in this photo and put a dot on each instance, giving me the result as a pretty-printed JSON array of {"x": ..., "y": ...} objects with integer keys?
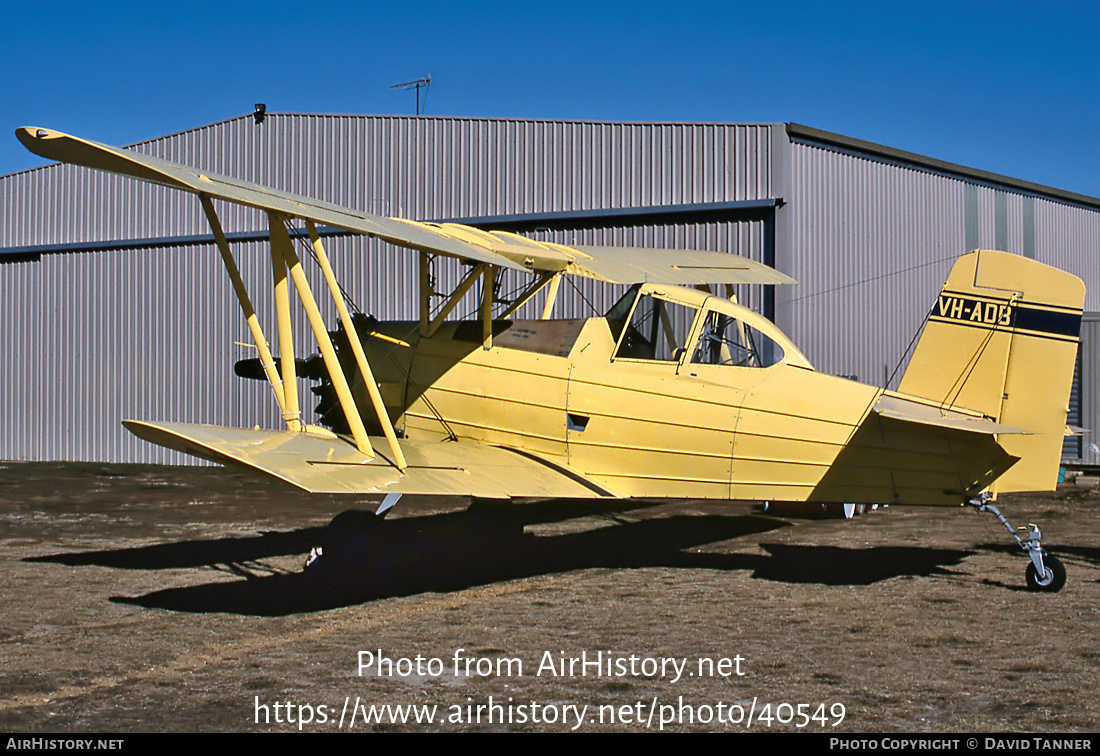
[{"x": 115, "y": 304}]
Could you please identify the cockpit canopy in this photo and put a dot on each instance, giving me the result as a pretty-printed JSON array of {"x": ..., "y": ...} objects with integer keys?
[{"x": 661, "y": 325}]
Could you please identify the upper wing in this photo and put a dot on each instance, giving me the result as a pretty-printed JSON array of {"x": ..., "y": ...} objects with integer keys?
[
  {"x": 319, "y": 461},
  {"x": 507, "y": 250},
  {"x": 678, "y": 267}
]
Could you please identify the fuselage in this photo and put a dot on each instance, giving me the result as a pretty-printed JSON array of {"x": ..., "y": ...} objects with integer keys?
[{"x": 696, "y": 397}]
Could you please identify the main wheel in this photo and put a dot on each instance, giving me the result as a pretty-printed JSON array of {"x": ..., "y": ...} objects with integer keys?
[
  {"x": 1054, "y": 578},
  {"x": 346, "y": 542}
]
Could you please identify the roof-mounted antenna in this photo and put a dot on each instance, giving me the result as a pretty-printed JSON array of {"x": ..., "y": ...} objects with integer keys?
[{"x": 417, "y": 83}]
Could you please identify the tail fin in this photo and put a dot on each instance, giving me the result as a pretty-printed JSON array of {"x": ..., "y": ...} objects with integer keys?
[{"x": 1002, "y": 340}]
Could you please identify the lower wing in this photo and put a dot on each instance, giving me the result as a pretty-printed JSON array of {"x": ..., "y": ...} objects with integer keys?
[{"x": 319, "y": 461}]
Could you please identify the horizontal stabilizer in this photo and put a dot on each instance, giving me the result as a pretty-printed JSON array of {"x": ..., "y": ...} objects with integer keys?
[
  {"x": 319, "y": 461},
  {"x": 916, "y": 411}
]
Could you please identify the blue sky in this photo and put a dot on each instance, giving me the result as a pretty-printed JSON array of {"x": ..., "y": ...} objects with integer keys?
[{"x": 1002, "y": 86}]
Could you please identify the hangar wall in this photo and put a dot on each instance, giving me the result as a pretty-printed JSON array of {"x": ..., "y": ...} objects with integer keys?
[
  {"x": 870, "y": 257},
  {"x": 146, "y": 326},
  {"x": 415, "y": 167}
]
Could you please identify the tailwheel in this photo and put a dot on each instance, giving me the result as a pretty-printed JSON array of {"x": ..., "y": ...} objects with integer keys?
[
  {"x": 1045, "y": 573},
  {"x": 1053, "y": 577}
]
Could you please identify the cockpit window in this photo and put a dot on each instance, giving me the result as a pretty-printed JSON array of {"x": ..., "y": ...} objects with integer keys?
[
  {"x": 725, "y": 340},
  {"x": 658, "y": 330}
]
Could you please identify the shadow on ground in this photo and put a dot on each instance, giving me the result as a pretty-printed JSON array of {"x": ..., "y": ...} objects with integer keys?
[{"x": 456, "y": 550}]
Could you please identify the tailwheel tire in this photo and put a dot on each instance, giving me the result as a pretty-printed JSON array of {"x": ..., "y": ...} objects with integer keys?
[{"x": 1054, "y": 579}]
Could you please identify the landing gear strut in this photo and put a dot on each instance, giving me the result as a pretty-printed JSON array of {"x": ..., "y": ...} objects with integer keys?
[{"x": 1045, "y": 572}]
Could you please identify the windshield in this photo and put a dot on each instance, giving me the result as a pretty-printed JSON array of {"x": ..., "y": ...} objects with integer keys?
[{"x": 616, "y": 316}]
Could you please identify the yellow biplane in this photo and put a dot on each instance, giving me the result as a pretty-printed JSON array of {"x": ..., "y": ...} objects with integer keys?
[{"x": 676, "y": 392}]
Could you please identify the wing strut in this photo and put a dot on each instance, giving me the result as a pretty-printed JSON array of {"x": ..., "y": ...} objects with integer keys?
[
  {"x": 266, "y": 360},
  {"x": 292, "y": 412},
  {"x": 551, "y": 296},
  {"x": 284, "y": 260},
  {"x": 487, "y": 285},
  {"x": 425, "y": 292},
  {"x": 525, "y": 296},
  {"x": 281, "y": 246},
  {"x": 356, "y": 346},
  {"x": 456, "y": 296}
]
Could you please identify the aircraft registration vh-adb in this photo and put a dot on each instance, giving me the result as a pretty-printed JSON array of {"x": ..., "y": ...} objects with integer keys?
[{"x": 674, "y": 393}]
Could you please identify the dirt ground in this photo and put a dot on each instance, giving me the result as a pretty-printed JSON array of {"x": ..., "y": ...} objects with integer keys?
[{"x": 174, "y": 599}]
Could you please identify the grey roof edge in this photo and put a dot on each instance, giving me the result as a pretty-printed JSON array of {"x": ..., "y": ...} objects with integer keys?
[
  {"x": 513, "y": 119},
  {"x": 142, "y": 143},
  {"x": 181, "y": 132},
  {"x": 810, "y": 134}
]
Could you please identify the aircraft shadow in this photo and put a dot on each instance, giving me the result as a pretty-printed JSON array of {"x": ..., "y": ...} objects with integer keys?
[
  {"x": 453, "y": 551},
  {"x": 185, "y": 554},
  {"x": 201, "y": 553},
  {"x": 1084, "y": 553}
]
